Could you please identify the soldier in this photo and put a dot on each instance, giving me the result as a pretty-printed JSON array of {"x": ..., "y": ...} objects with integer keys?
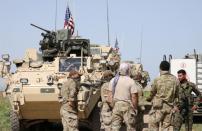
[
  {"x": 141, "y": 109},
  {"x": 186, "y": 102},
  {"x": 106, "y": 110},
  {"x": 137, "y": 77},
  {"x": 164, "y": 93},
  {"x": 123, "y": 97},
  {"x": 68, "y": 109}
]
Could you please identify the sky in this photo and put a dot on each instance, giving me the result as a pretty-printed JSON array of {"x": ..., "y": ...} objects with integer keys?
[{"x": 167, "y": 26}]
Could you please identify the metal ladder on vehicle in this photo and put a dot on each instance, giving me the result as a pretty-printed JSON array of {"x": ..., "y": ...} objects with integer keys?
[
  {"x": 199, "y": 74},
  {"x": 199, "y": 79}
]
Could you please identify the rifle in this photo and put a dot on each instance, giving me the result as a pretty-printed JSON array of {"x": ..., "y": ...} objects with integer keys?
[{"x": 184, "y": 110}]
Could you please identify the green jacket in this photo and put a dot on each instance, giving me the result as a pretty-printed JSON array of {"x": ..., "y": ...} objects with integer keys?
[{"x": 185, "y": 90}]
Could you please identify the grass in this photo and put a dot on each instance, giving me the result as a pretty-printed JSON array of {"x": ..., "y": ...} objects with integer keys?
[
  {"x": 196, "y": 127},
  {"x": 4, "y": 115}
]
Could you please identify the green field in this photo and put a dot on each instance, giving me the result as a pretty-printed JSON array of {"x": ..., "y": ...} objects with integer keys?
[
  {"x": 196, "y": 127},
  {"x": 4, "y": 115}
]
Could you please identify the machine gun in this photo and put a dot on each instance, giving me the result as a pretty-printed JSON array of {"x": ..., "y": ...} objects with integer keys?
[
  {"x": 184, "y": 107},
  {"x": 49, "y": 46},
  {"x": 59, "y": 43},
  {"x": 47, "y": 31}
]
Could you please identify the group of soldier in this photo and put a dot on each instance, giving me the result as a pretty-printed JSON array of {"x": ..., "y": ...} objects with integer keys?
[{"x": 171, "y": 98}]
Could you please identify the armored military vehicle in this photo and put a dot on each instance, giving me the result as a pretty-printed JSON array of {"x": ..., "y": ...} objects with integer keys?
[
  {"x": 138, "y": 73},
  {"x": 34, "y": 87}
]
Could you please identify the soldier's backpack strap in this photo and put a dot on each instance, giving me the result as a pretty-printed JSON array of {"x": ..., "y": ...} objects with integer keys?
[{"x": 115, "y": 81}]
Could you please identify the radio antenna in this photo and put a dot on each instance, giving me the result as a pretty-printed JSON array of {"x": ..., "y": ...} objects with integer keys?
[
  {"x": 108, "y": 22},
  {"x": 56, "y": 13},
  {"x": 141, "y": 42}
]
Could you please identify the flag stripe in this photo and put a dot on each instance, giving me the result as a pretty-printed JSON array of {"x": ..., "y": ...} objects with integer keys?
[{"x": 69, "y": 21}]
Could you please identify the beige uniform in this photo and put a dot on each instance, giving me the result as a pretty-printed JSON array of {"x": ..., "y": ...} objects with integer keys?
[
  {"x": 123, "y": 111},
  {"x": 68, "y": 109}
]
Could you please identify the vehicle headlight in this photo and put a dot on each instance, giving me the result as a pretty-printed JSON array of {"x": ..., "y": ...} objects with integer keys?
[
  {"x": 24, "y": 81},
  {"x": 59, "y": 85}
]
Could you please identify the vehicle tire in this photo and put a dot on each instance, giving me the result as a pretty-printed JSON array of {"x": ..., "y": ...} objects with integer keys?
[
  {"x": 15, "y": 123},
  {"x": 93, "y": 122},
  {"x": 95, "y": 119}
]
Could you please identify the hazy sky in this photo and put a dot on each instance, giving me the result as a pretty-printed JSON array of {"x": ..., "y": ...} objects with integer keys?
[{"x": 169, "y": 26}]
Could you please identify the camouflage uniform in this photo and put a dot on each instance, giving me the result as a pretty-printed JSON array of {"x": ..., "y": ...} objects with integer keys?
[
  {"x": 122, "y": 110},
  {"x": 185, "y": 91},
  {"x": 106, "y": 111},
  {"x": 141, "y": 109},
  {"x": 68, "y": 109},
  {"x": 163, "y": 94},
  {"x": 141, "y": 78}
]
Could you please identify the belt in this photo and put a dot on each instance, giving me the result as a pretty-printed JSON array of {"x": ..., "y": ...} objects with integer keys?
[{"x": 128, "y": 102}]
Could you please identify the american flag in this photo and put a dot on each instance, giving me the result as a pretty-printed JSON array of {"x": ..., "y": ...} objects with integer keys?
[
  {"x": 116, "y": 46},
  {"x": 69, "y": 21}
]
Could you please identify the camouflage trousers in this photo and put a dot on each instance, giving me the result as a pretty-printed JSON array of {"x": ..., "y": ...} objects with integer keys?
[
  {"x": 160, "y": 119},
  {"x": 188, "y": 121},
  {"x": 105, "y": 117},
  {"x": 69, "y": 118},
  {"x": 123, "y": 112}
]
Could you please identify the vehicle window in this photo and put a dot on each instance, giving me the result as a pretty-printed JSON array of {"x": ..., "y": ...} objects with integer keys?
[
  {"x": 68, "y": 64},
  {"x": 95, "y": 51}
]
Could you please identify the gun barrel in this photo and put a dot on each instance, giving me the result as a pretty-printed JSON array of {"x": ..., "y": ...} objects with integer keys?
[{"x": 40, "y": 28}]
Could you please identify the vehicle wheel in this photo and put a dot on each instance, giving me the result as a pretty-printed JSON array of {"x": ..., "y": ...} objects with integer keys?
[
  {"x": 95, "y": 119},
  {"x": 84, "y": 126},
  {"x": 15, "y": 123}
]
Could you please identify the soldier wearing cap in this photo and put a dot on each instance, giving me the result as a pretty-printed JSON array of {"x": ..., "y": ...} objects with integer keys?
[
  {"x": 68, "y": 109},
  {"x": 123, "y": 97},
  {"x": 106, "y": 110}
]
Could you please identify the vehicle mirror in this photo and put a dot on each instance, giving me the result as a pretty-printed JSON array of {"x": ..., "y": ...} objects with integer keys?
[
  {"x": 103, "y": 61},
  {"x": 104, "y": 55},
  {"x": 8, "y": 63},
  {"x": 24, "y": 81},
  {"x": 6, "y": 57}
]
